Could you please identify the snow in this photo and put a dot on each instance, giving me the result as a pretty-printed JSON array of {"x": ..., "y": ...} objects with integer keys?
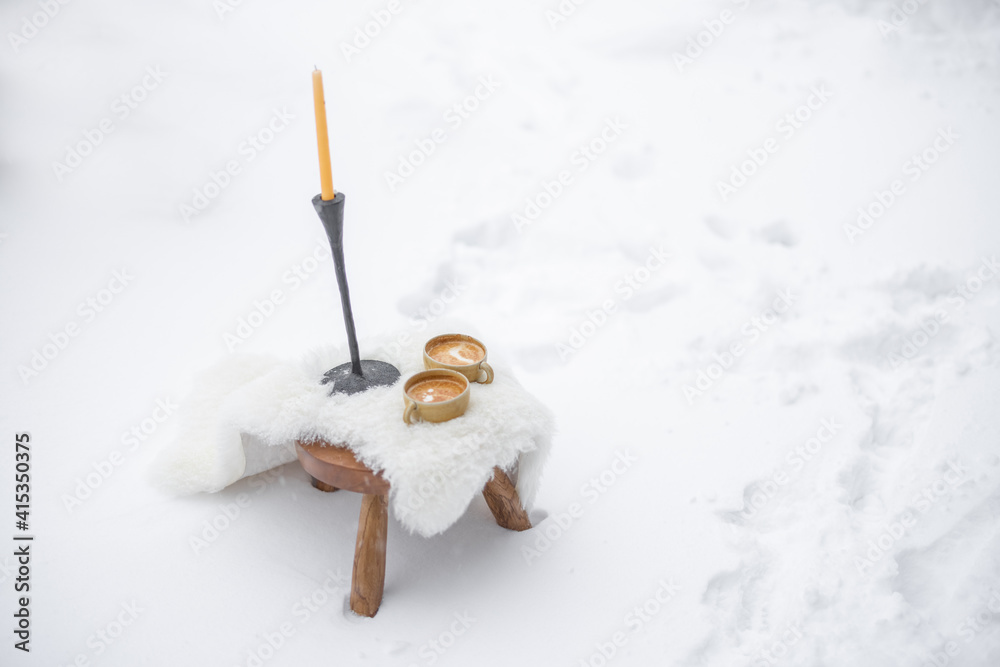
[{"x": 830, "y": 498}]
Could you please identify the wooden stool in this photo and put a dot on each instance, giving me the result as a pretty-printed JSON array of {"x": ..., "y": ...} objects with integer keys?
[{"x": 333, "y": 468}]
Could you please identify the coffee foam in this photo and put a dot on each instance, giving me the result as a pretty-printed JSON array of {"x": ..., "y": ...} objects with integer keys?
[
  {"x": 435, "y": 390},
  {"x": 457, "y": 353}
]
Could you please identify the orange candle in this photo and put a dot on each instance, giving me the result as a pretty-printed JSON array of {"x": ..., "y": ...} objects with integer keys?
[{"x": 322, "y": 139}]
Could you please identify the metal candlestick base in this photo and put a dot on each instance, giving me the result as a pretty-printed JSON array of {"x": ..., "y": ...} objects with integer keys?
[
  {"x": 358, "y": 375},
  {"x": 374, "y": 374}
]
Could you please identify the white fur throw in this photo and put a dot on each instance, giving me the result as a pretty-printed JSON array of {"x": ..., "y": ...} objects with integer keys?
[{"x": 247, "y": 412}]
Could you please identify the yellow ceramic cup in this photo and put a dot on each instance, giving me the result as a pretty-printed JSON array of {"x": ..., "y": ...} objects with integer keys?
[
  {"x": 458, "y": 352},
  {"x": 435, "y": 395}
]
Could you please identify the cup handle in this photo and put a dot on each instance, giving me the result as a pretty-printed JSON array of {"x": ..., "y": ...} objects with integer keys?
[
  {"x": 485, "y": 373},
  {"x": 411, "y": 409}
]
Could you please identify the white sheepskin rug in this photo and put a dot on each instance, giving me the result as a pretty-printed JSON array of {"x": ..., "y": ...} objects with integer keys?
[{"x": 247, "y": 412}]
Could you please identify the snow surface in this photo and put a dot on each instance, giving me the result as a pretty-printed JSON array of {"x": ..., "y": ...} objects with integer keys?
[{"x": 829, "y": 499}]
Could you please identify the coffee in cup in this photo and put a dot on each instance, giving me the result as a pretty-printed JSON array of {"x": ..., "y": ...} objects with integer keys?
[
  {"x": 435, "y": 395},
  {"x": 461, "y": 353}
]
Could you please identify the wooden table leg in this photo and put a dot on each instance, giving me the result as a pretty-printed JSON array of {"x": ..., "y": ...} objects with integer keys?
[
  {"x": 502, "y": 498},
  {"x": 322, "y": 486},
  {"x": 368, "y": 578}
]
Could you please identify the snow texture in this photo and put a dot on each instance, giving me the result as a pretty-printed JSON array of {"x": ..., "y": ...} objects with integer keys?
[{"x": 744, "y": 250}]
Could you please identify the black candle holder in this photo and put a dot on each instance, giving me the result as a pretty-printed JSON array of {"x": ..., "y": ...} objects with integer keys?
[{"x": 357, "y": 375}]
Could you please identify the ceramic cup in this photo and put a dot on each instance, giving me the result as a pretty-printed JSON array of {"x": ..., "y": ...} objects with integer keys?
[
  {"x": 435, "y": 395},
  {"x": 461, "y": 353}
]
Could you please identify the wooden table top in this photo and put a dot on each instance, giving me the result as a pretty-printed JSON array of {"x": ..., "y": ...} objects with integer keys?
[{"x": 337, "y": 466}]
